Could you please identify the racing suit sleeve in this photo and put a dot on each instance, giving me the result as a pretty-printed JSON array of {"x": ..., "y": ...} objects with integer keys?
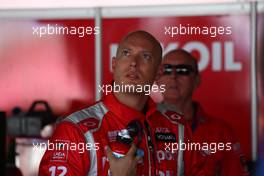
[
  {"x": 234, "y": 161},
  {"x": 65, "y": 153}
]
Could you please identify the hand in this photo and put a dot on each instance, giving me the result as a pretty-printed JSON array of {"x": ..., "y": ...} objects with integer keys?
[{"x": 125, "y": 166}]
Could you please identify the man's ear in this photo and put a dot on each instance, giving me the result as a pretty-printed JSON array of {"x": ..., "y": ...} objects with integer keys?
[{"x": 113, "y": 63}]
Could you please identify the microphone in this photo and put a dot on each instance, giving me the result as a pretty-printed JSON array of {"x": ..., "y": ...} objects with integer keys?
[{"x": 132, "y": 133}]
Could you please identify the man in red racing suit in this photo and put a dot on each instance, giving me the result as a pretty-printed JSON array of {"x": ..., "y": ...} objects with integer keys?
[
  {"x": 227, "y": 161},
  {"x": 97, "y": 126},
  {"x": 180, "y": 74},
  {"x": 78, "y": 143}
]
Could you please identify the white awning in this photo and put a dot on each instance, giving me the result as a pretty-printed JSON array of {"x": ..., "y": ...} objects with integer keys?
[{"x": 40, "y": 4}]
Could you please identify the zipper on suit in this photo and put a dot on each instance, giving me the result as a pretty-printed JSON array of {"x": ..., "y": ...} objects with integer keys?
[{"x": 150, "y": 146}]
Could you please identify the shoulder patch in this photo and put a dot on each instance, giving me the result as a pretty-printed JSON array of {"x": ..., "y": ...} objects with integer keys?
[
  {"x": 89, "y": 119},
  {"x": 171, "y": 112},
  {"x": 174, "y": 116},
  {"x": 90, "y": 123}
]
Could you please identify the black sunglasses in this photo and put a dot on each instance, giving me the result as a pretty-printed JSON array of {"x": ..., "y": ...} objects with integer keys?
[{"x": 181, "y": 69}]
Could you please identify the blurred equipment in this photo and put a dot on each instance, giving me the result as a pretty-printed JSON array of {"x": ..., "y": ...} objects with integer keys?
[
  {"x": 2, "y": 141},
  {"x": 31, "y": 123}
]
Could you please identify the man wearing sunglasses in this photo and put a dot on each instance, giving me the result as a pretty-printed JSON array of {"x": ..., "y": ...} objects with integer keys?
[{"x": 180, "y": 75}]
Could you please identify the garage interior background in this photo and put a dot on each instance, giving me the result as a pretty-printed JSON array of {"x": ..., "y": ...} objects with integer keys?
[{"x": 66, "y": 69}]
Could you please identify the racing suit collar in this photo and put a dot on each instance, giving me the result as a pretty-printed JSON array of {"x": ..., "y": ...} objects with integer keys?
[
  {"x": 199, "y": 116},
  {"x": 125, "y": 113}
]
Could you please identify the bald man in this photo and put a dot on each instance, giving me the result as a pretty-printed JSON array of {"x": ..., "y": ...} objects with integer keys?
[
  {"x": 124, "y": 127},
  {"x": 179, "y": 72}
]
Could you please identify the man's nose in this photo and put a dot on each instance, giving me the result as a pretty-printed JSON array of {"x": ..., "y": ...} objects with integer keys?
[
  {"x": 173, "y": 74},
  {"x": 134, "y": 61}
]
